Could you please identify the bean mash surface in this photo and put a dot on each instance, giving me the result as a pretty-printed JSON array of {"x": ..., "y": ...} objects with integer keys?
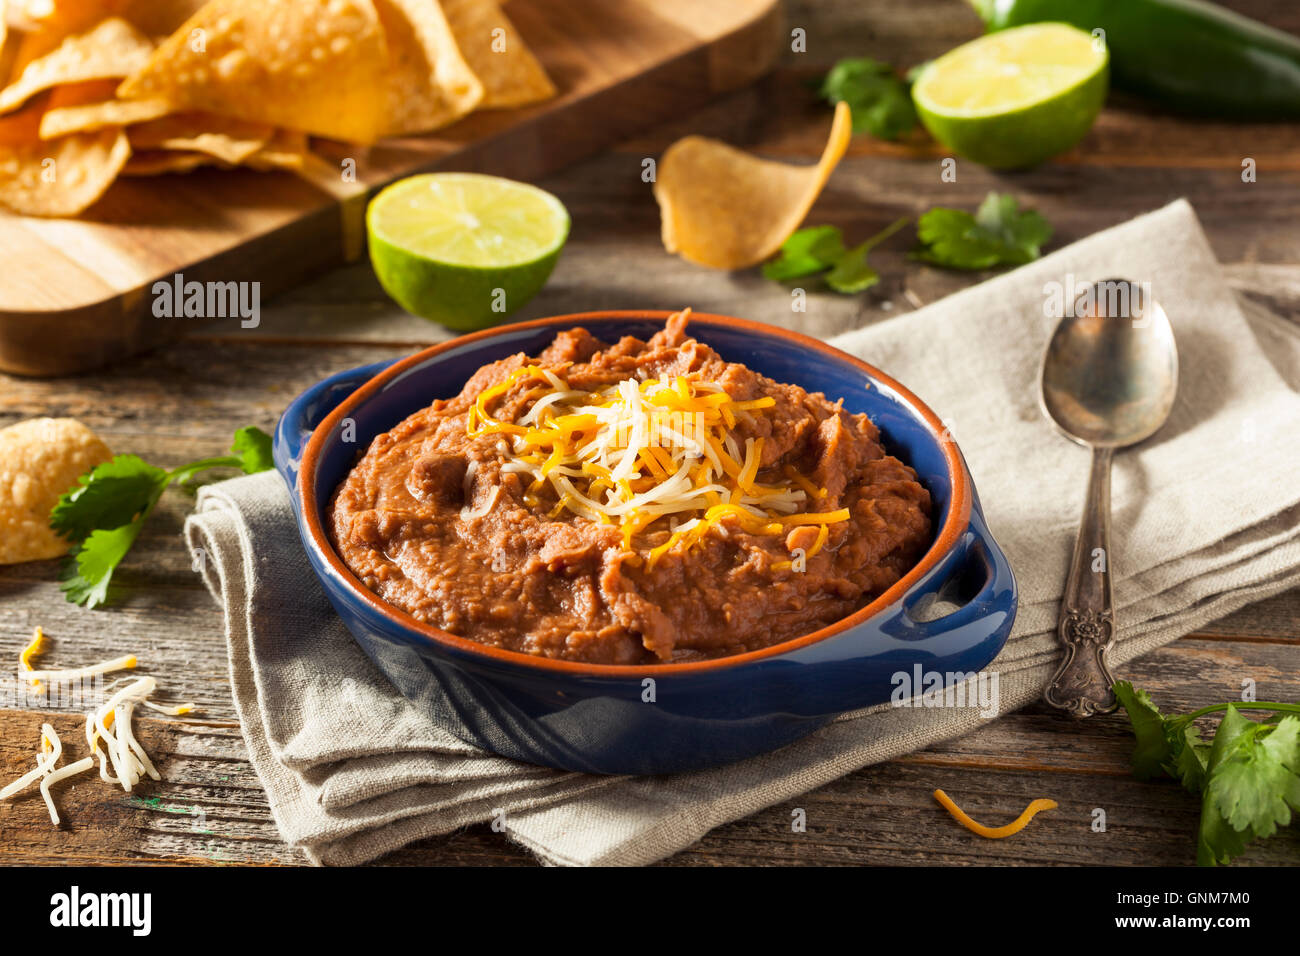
[{"x": 629, "y": 503}]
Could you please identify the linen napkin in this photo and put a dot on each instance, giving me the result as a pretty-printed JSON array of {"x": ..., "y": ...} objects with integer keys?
[{"x": 1206, "y": 519}]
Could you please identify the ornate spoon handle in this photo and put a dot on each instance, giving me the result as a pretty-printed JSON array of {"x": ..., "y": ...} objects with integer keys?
[{"x": 1081, "y": 685}]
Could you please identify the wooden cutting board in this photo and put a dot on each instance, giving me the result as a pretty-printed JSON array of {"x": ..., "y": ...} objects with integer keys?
[{"x": 76, "y": 294}]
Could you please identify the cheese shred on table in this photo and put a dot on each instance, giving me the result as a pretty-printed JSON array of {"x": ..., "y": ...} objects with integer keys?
[
  {"x": 637, "y": 452},
  {"x": 993, "y": 833},
  {"x": 109, "y": 732}
]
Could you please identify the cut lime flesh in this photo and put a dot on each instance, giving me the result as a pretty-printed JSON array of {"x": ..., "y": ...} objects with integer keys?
[
  {"x": 464, "y": 249},
  {"x": 1016, "y": 97}
]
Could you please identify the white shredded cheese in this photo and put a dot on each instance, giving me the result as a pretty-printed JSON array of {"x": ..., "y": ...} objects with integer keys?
[
  {"x": 640, "y": 449},
  {"x": 109, "y": 733}
]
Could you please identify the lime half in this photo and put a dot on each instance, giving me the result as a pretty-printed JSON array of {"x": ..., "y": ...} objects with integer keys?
[
  {"x": 1013, "y": 98},
  {"x": 462, "y": 249}
]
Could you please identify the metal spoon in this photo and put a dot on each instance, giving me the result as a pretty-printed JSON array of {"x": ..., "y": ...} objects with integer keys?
[{"x": 1108, "y": 380}]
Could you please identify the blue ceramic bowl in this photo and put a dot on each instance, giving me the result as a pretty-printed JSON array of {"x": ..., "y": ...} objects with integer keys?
[{"x": 673, "y": 717}]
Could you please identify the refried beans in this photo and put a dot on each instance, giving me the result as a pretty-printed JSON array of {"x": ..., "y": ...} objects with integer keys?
[{"x": 475, "y": 516}]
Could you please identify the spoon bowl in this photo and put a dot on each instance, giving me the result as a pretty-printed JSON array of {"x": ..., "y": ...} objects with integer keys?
[{"x": 1110, "y": 371}]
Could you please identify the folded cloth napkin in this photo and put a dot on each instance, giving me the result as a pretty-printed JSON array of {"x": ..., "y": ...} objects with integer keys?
[{"x": 1206, "y": 519}]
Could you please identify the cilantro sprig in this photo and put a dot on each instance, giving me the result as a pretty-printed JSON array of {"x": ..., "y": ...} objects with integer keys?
[
  {"x": 820, "y": 250},
  {"x": 1000, "y": 233},
  {"x": 1248, "y": 775},
  {"x": 881, "y": 100},
  {"x": 102, "y": 516}
]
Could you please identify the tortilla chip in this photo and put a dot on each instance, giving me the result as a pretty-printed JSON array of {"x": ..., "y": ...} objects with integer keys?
[
  {"x": 20, "y": 128},
  {"x": 79, "y": 94},
  {"x": 60, "y": 177},
  {"x": 724, "y": 208},
  {"x": 229, "y": 140},
  {"x": 41, "y": 26},
  {"x": 27, "y": 17},
  {"x": 430, "y": 84},
  {"x": 155, "y": 162},
  {"x": 69, "y": 16},
  {"x": 158, "y": 18},
  {"x": 318, "y": 67},
  {"x": 8, "y": 53},
  {"x": 112, "y": 49},
  {"x": 40, "y": 459},
  {"x": 81, "y": 107},
  {"x": 155, "y": 17},
  {"x": 510, "y": 74},
  {"x": 286, "y": 149}
]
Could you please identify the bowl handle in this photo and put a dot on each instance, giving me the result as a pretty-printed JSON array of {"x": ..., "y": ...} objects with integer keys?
[
  {"x": 308, "y": 410},
  {"x": 974, "y": 574},
  {"x": 893, "y": 649},
  {"x": 972, "y": 634}
]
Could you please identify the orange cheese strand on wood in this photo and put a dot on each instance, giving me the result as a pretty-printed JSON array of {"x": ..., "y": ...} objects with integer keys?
[
  {"x": 993, "y": 833},
  {"x": 30, "y": 651}
]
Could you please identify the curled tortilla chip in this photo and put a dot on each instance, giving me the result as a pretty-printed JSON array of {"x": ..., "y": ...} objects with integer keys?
[
  {"x": 81, "y": 107},
  {"x": 59, "y": 177},
  {"x": 724, "y": 208},
  {"x": 156, "y": 162},
  {"x": 510, "y": 74},
  {"x": 286, "y": 149},
  {"x": 40, "y": 459},
  {"x": 158, "y": 18},
  {"x": 430, "y": 84},
  {"x": 112, "y": 49},
  {"x": 319, "y": 67},
  {"x": 228, "y": 140},
  {"x": 20, "y": 128}
]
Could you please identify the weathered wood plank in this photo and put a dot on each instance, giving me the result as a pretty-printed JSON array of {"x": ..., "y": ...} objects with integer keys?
[{"x": 209, "y": 808}]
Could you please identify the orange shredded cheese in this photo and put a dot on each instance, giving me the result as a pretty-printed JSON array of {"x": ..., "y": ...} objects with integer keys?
[
  {"x": 640, "y": 451},
  {"x": 993, "y": 833},
  {"x": 25, "y": 656}
]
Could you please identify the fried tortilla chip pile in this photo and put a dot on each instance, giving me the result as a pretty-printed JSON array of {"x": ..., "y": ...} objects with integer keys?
[{"x": 94, "y": 89}]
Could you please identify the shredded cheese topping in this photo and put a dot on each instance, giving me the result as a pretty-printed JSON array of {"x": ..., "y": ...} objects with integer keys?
[
  {"x": 993, "y": 833},
  {"x": 109, "y": 733},
  {"x": 641, "y": 451}
]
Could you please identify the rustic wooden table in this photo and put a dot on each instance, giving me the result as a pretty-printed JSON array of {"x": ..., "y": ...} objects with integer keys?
[{"x": 183, "y": 402}]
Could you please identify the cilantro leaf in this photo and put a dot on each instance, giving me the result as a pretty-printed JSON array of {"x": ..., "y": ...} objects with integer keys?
[
  {"x": 1191, "y": 759},
  {"x": 253, "y": 446},
  {"x": 806, "y": 252},
  {"x": 817, "y": 249},
  {"x": 851, "y": 274},
  {"x": 881, "y": 101},
  {"x": 104, "y": 513},
  {"x": 1165, "y": 745},
  {"x": 1255, "y": 786},
  {"x": 998, "y": 234},
  {"x": 1216, "y": 840},
  {"x": 88, "y": 573},
  {"x": 1248, "y": 776},
  {"x": 251, "y": 454},
  {"x": 1152, "y": 752},
  {"x": 110, "y": 495}
]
